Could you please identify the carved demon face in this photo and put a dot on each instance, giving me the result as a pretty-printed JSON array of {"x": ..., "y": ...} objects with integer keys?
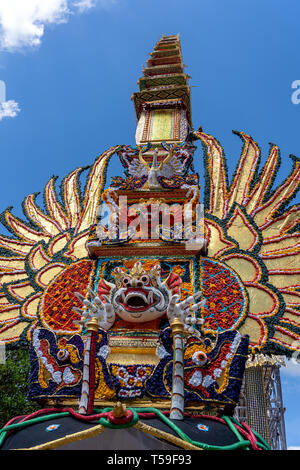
[{"x": 139, "y": 295}]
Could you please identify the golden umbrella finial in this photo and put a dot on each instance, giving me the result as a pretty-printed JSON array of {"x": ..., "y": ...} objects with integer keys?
[{"x": 119, "y": 410}]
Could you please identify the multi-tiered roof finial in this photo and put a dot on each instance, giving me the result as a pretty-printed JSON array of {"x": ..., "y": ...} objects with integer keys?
[{"x": 162, "y": 104}]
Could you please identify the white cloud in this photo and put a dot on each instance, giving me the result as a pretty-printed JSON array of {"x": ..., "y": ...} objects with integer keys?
[
  {"x": 293, "y": 448},
  {"x": 9, "y": 108},
  {"x": 292, "y": 368},
  {"x": 23, "y": 22},
  {"x": 84, "y": 5}
]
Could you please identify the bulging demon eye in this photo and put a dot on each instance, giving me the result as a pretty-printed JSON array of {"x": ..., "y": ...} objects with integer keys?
[
  {"x": 199, "y": 358},
  {"x": 144, "y": 279},
  {"x": 125, "y": 281},
  {"x": 63, "y": 354}
]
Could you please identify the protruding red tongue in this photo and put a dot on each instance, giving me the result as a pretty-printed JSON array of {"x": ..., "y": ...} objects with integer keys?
[
  {"x": 173, "y": 282},
  {"x": 103, "y": 288}
]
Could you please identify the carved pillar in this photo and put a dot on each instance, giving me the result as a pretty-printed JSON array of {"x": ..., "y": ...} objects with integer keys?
[
  {"x": 86, "y": 402},
  {"x": 177, "y": 401}
]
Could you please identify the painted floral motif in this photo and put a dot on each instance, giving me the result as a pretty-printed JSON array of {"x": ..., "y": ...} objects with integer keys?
[
  {"x": 52, "y": 427},
  {"x": 213, "y": 371},
  {"x": 56, "y": 364},
  {"x": 226, "y": 299},
  {"x": 130, "y": 380},
  {"x": 202, "y": 427}
]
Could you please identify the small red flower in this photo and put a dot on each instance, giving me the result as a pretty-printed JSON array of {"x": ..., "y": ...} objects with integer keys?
[{"x": 130, "y": 381}]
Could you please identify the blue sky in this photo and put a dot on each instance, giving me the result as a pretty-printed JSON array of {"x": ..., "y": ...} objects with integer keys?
[{"x": 70, "y": 67}]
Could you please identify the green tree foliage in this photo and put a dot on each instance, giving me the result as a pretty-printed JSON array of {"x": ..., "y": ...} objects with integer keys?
[{"x": 14, "y": 384}]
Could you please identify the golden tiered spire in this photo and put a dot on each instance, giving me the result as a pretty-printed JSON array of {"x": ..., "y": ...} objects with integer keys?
[{"x": 162, "y": 105}]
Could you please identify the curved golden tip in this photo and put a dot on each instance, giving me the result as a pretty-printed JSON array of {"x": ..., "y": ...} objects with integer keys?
[{"x": 119, "y": 410}]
